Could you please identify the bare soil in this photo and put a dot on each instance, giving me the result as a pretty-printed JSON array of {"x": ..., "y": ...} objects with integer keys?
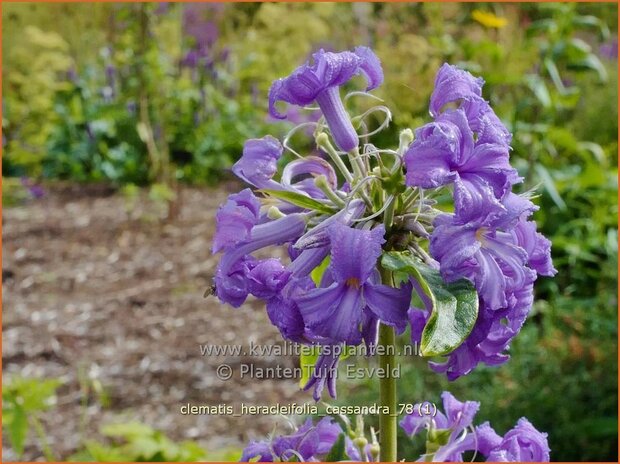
[{"x": 97, "y": 288}]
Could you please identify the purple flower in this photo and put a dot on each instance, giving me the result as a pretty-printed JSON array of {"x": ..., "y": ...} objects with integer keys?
[
  {"x": 308, "y": 443},
  {"x": 231, "y": 277},
  {"x": 522, "y": 444},
  {"x": 335, "y": 312},
  {"x": 284, "y": 313},
  {"x": 609, "y": 49},
  {"x": 35, "y": 190},
  {"x": 454, "y": 86},
  {"x": 502, "y": 256},
  {"x": 445, "y": 152},
  {"x": 235, "y": 219},
  {"x": 259, "y": 162},
  {"x": 457, "y": 416},
  {"x": 478, "y": 251},
  {"x": 320, "y": 82},
  {"x": 257, "y": 449}
]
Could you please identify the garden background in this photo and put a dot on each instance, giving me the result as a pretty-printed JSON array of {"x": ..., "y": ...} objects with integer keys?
[{"x": 120, "y": 123}]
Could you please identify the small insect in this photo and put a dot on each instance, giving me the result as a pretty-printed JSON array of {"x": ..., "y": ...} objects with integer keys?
[{"x": 210, "y": 291}]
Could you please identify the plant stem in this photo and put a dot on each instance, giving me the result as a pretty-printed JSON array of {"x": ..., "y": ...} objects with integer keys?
[
  {"x": 387, "y": 384},
  {"x": 40, "y": 431}
]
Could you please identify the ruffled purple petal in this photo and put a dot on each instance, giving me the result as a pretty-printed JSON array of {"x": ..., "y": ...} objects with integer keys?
[
  {"x": 453, "y": 84},
  {"x": 257, "y": 449},
  {"x": 231, "y": 284},
  {"x": 267, "y": 277},
  {"x": 235, "y": 219},
  {"x": 258, "y": 164},
  {"x": 460, "y": 415},
  {"x": 434, "y": 157},
  {"x": 522, "y": 444},
  {"x": 537, "y": 246},
  {"x": 307, "y": 81},
  {"x": 370, "y": 67}
]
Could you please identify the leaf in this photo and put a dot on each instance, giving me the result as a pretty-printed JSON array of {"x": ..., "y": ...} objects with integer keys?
[
  {"x": 549, "y": 185},
  {"x": 18, "y": 429},
  {"x": 454, "y": 305},
  {"x": 538, "y": 86},
  {"x": 300, "y": 200},
  {"x": 337, "y": 453},
  {"x": 317, "y": 272},
  {"x": 307, "y": 360}
]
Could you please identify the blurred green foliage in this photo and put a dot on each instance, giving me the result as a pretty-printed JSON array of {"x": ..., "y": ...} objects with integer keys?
[
  {"x": 23, "y": 400},
  {"x": 137, "y": 94}
]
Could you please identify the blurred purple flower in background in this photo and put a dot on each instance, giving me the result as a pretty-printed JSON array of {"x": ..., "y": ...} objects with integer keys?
[
  {"x": 609, "y": 49},
  {"x": 34, "y": 189}
]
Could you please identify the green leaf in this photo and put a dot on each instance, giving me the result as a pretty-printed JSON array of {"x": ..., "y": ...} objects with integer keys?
[
  {"x": 317, "y": 272},
  {"x": 307, "y": 360},
  {"x": 549, "y": 185},
  {"x": 337, "y": 453},
  {"x": 18, "y": 429},
  {"x": 300, "y": 200},
  {"x": 454, "y": 305}
]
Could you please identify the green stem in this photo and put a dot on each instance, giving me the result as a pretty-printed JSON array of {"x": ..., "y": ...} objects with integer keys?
[
  {"x": 45, "y": 447},
  {"x": 387, "y": 384}
]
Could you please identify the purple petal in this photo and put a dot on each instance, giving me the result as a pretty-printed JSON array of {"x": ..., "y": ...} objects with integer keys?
[
  {"x": 354, "y": 252},
  {"x": 370, "y": 67},
  {"x": 537, "y": 246},
  {"x": 334, "y": 312},
  {"x": 284, "y": 313},
  {"x": 460, "y": 415},
  {"x": 258, "y": 164},
  {"x": 307, "y": 81},
  {"x": 325, "y": 371},
  {"x": 522, "y": 444},
  {"x": 267, "y": 277},
  {"x": 235, "y": 219},
  {"x": 231, "y": 285},
  {"x": 257, "y": 449},
  {"x": 389, "y": 304},
  {"x": 453, "y": 84}
]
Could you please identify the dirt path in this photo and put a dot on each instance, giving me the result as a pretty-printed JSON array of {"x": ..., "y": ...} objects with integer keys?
[{"x": 88, "y": 288}]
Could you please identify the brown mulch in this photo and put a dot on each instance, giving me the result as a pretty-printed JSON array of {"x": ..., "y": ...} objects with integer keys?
[{"x": 96, "y": 288}]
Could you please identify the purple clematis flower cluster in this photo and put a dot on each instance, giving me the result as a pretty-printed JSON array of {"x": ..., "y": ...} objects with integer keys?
[
  {"x": 450, "y": 437},
  {"x": 337, "y": 210},
  {"x": 489, "y": 238},
  {"x": 451, "y": 433}
]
